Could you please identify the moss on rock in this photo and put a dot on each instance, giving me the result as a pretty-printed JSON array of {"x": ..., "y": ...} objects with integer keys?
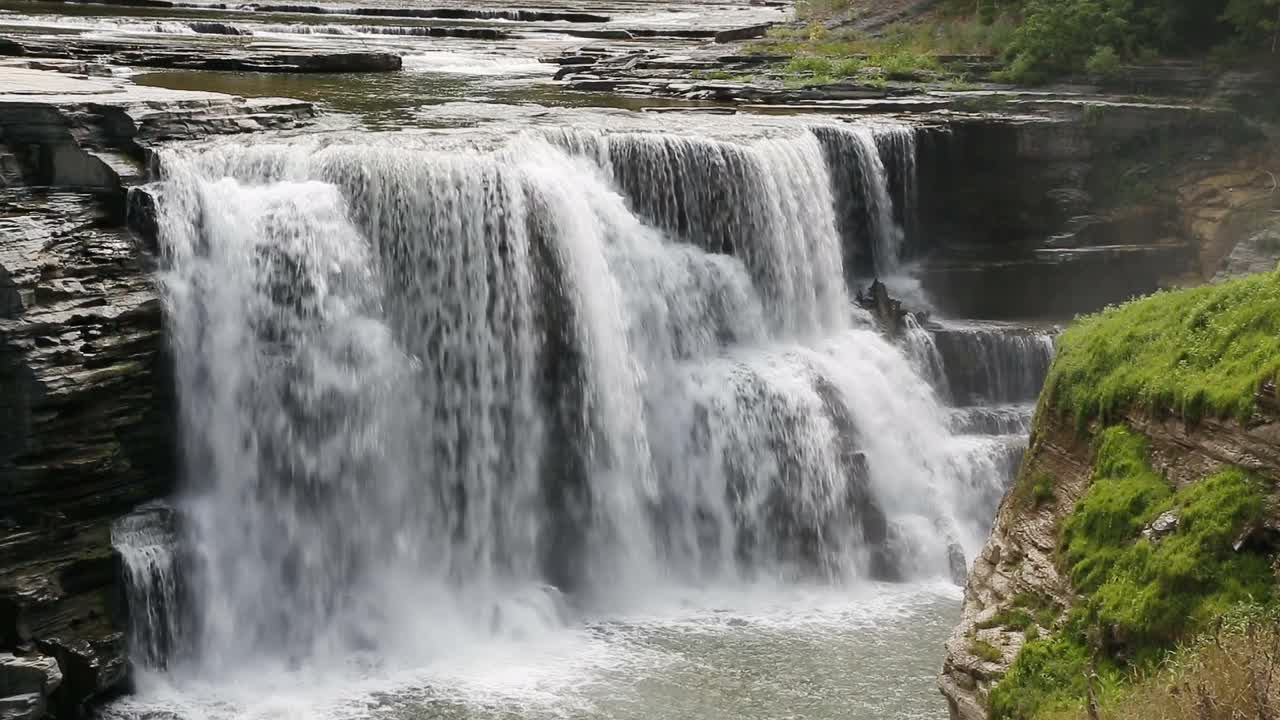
[{"x": 1139, "y": 595}]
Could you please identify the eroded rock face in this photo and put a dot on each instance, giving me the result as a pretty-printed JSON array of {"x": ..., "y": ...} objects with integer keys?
[
  {"x": 84, "y": 383},
  {"x": 1018, "y": 558}
]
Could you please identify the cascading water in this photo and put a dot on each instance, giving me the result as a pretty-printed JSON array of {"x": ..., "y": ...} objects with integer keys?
[
  {"x": 146, "y": 541},
  {"x": 862, "y": 194},
  {"x": 428, "y": 396},
  {"x": 897, "y": 145}
]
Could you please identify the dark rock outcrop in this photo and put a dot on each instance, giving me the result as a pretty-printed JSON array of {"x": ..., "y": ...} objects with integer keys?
[{"x": 84, "y": 382}]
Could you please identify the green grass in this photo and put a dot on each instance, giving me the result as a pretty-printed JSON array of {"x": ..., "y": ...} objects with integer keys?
[
  {"x": 1034, "y": 491},
  {"x": 985, "y": 650},
  {"x": 1009, "y": 618},
  {"x": 1224, "y": 673},
  {"x": 1137, "y": 599},
  {"x": 906, "y": 51},
  {"x": 1198, "y": 352}
]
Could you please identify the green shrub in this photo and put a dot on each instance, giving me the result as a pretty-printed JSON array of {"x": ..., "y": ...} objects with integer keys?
[
  {"x": 901, "y": 63},
  {"x": 810, "y": 65},
  {"x": 1059, "y": 36},
  {"x": 1254, "y": 20},
  {"x": 1105, "y": 62},
  {"x": 1155, "y": 593},
  {"x": 1033, "y": 491},
  {"x": 848, "y": 67},
  {"x": 1049, "y": 673},
  {"x": 1224, "y": 673},
  {"x": 1042, "y": 488}
]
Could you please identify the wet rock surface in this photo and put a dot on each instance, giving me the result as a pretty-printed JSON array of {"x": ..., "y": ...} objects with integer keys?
[
  {"x": 82, "y": 381},
  {"x": 254, "y": 59},
  {"x": 84, "y": 386}
]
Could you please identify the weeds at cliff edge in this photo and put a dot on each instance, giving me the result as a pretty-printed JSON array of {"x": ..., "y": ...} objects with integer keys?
[
  {"x": 1138, "y": 597},
  {"x": 1206, "y": 351}
]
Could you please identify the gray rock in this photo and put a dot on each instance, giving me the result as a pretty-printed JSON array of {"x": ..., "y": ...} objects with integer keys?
[
  {"x": 958, "y": 566},
  {"x": 207, "y": 56},
  {"x": 742, "y": 33},
  {"x": 31, "y": 674},
  {"x": 26, "y": 683},
  {"x": 1258, "y": 254},
  {"x": 1161, "y": 527},
  {"x": 28, "y": 706}
]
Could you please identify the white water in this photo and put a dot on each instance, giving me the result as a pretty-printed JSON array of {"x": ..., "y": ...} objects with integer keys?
[
  {"x": 476, "y": 64},
  {"x": 443, "y": 403}
]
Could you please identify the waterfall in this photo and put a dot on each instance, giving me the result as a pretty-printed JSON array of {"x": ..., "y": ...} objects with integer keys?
[
  {"x": 864, "y": 202},
  {"x": 992, "y": 364},
  {"x": 897, "y": 146},
  {"x": 427, "y": 394},
  {"x": 146, "y": 542}
]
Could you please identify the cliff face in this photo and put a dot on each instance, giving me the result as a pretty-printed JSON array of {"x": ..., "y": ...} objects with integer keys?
[
  {"x": 84, "y": 391},
  {"x": 1022, "y": 557}
]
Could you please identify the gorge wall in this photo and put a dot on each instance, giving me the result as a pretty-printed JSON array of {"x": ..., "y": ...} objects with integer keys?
[
  {"x": 85, "y": 388},
  {"x": 1041, "y": 615}
]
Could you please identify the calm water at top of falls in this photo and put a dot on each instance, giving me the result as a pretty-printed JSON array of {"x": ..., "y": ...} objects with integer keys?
[{"x": 427, "y": 379}]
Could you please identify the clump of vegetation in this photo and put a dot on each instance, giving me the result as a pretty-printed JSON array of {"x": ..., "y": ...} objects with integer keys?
[
  {"x": 1198, "y": 352},
  {"x": 1139, "y": 597},
  {"x": 1105, "y": 62},
  {"x": 906, "y": 51},
  {"x": 985, "y": 651},
  {"x": 1033, "y": 490},
  {"x": 1041, "y": 39},
  {"x": 1230, "y": 671},
  {"x": 1010, "y": 618},
  {"x": 1063, "y": 36},
  {"x": 1046, "y": 611}
]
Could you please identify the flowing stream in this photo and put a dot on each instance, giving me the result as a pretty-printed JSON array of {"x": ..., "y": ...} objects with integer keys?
[{"x": 583, "y": 425}]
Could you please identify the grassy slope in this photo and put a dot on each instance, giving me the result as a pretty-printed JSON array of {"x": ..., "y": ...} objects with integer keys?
[
  {"x": 1192, "y": 352},
  {"x": 1199, "y": 352}
]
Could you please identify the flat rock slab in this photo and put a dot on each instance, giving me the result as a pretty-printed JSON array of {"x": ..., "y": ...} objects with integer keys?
[
  {"x": 193, "y": 55},
  {"x": 107, "y": 115}
]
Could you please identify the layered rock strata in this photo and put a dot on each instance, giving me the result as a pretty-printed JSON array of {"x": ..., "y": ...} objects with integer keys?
[{"x": 84, "y": 390}]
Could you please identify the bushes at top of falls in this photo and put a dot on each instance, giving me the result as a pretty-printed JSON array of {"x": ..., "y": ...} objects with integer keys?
[
  {"x": 1137, "y": 596},
  {"x": 1038, "y": 39},
  {"x": 1095, "y": 36},
  {"x": 1204, "y": 351}
]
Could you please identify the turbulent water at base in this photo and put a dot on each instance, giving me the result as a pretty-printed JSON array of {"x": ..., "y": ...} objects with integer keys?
[{"x": 435, "y": 399}]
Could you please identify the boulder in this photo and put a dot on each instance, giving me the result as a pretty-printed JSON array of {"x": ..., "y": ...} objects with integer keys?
[
  {"x": 26, "y": 684},
  {"x": 1161, "y": 527}
]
